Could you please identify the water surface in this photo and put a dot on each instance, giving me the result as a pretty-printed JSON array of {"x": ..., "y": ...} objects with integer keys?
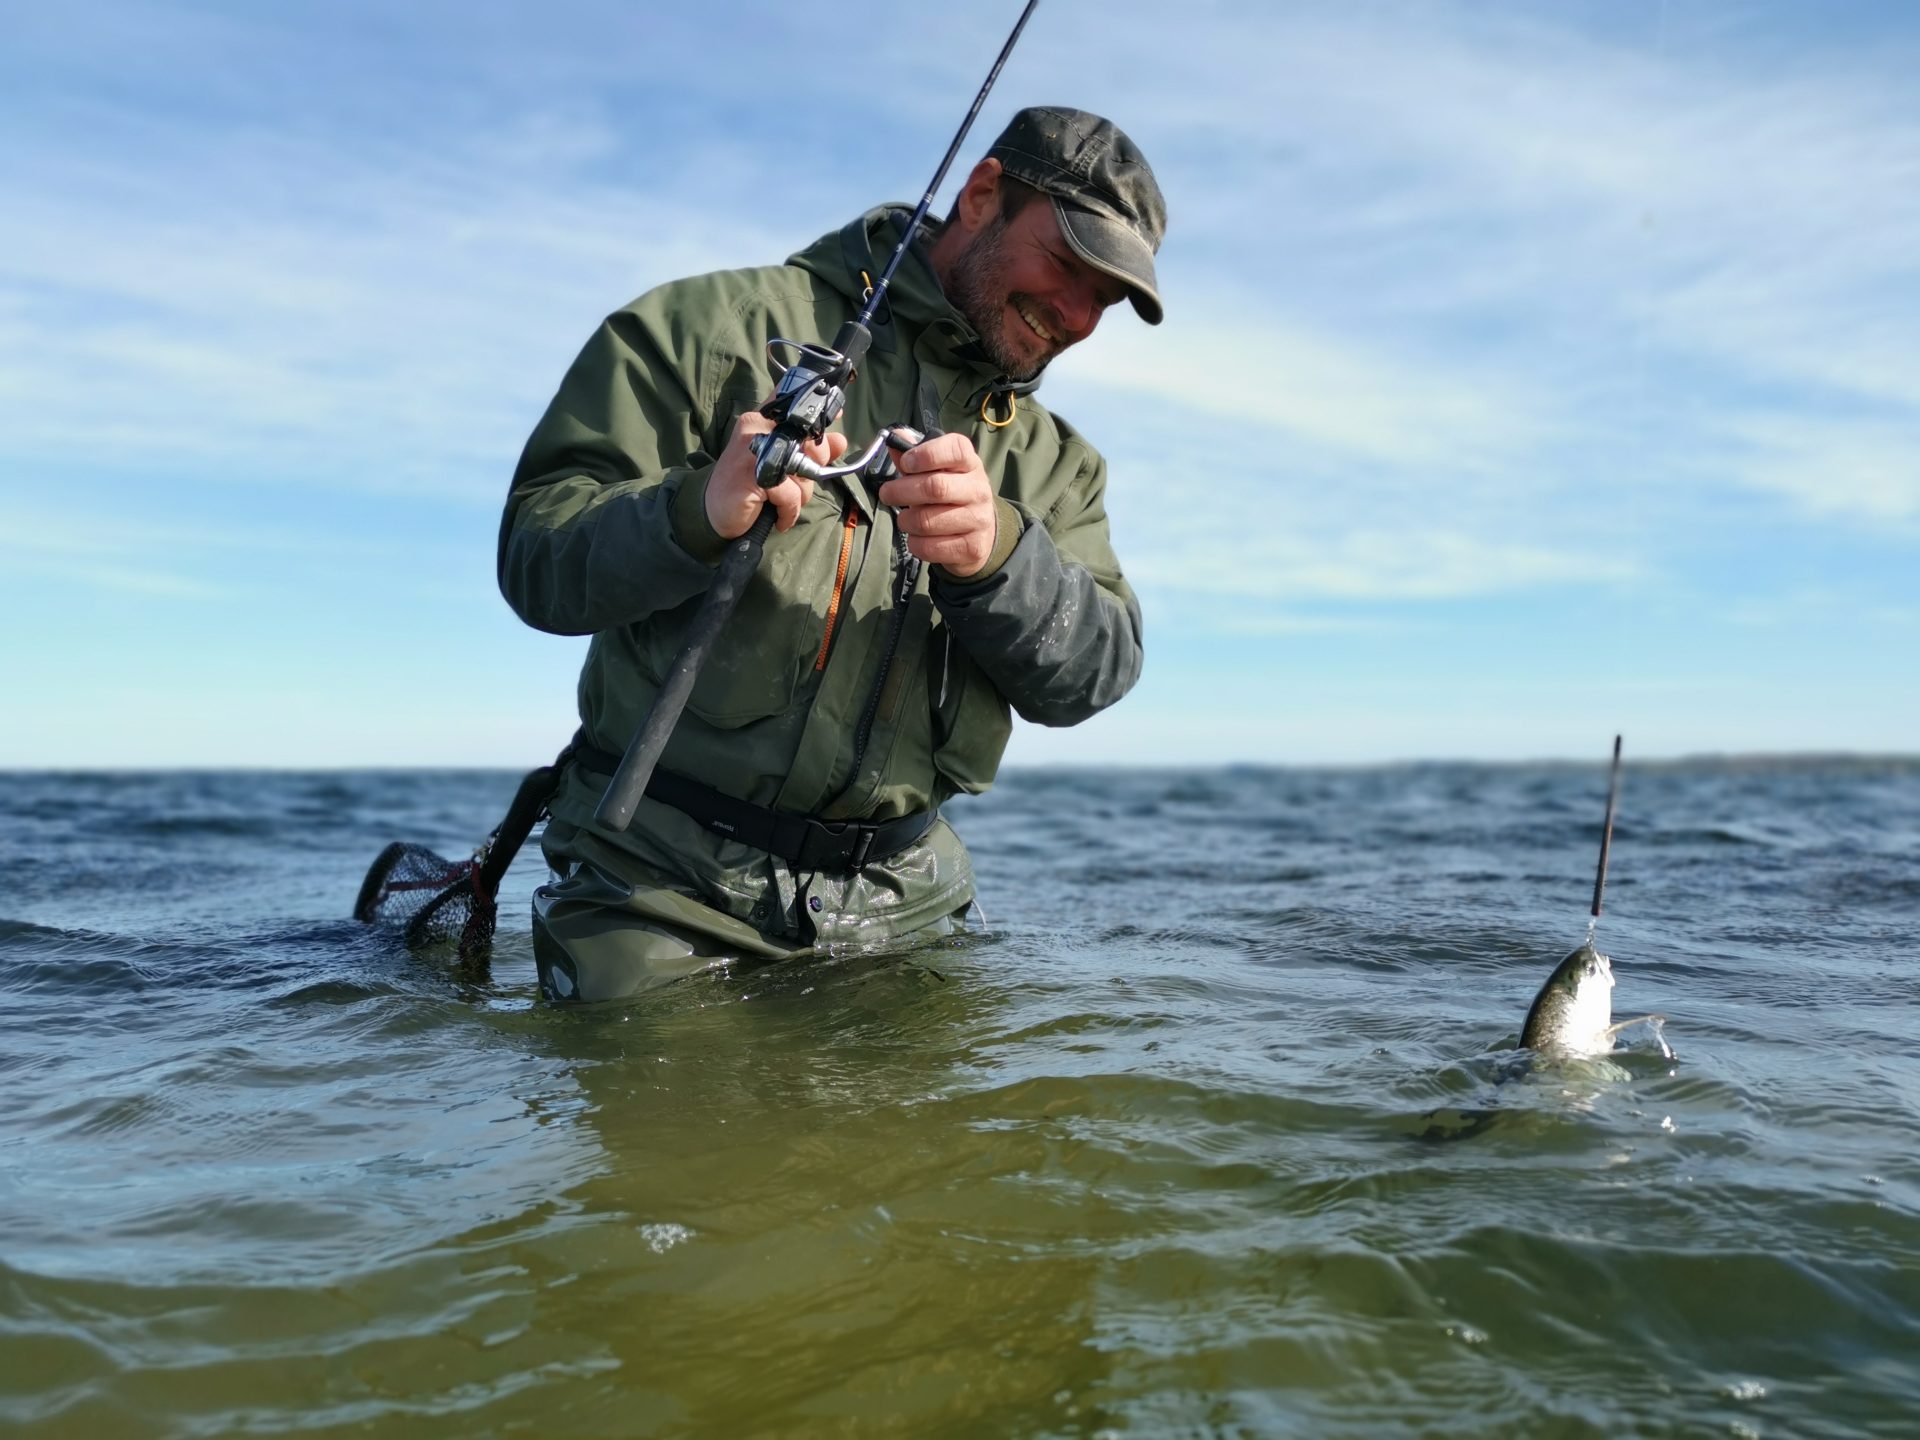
[{"x": 1217, "y": 1133}]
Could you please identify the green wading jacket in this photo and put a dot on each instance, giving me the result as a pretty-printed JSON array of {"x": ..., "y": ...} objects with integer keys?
[{"x": 605, "y": 534}]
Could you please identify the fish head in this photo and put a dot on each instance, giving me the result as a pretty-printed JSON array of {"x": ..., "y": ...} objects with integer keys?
[{"x": 1571, "y": 1014}]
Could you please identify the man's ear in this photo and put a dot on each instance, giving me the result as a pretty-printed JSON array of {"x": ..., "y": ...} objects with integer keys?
[{"x": 979, "y": 198}]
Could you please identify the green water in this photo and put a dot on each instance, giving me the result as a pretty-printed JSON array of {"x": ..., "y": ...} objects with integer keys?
[{"x": 1215, "y": 1134}]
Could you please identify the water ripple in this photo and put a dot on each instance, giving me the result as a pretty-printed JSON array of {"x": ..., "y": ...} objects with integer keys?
[{"x": 1219, "y": 1132}]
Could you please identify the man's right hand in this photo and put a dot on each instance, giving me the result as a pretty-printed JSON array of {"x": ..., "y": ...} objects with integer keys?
[{"x": 734, "y": 498}]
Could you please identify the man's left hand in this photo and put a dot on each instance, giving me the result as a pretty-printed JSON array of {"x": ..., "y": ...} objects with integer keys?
[{"x": 946, "y": 504}]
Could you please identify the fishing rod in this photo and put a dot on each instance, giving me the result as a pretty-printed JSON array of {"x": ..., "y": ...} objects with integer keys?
[
  {"x": 1606, "y": 833},
  {"x": 809, "y": 398}
]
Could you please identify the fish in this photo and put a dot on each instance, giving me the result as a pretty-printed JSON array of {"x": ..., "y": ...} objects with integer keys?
[
  {"x": 1572, "y": 1016},
  {"x": 1571, "y": 1020}
]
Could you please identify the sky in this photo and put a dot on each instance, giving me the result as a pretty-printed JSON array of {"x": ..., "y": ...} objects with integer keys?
[{"x": 1530, "y": 372}]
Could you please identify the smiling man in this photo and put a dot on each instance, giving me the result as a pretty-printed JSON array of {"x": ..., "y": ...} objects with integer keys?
[{"x": 871, "y": 669}]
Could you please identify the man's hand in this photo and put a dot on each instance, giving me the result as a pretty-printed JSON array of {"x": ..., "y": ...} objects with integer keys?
[
  {"x": 946, "y": 504},
  {"x": 734, "y": 498}
]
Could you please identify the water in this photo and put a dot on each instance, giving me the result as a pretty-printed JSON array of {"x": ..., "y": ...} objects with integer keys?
[{"x": 1216, "y": 1135}]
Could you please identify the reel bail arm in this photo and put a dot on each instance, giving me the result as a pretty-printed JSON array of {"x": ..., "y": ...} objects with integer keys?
[{"x": 809, "y": 398}]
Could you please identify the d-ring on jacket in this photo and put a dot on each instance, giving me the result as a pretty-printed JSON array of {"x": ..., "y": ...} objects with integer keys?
[{"x": 605, "y": 534}]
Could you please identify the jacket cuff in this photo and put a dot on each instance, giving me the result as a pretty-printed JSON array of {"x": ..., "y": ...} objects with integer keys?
[
  {"x": 688, "y": 517},
  {"x": 1008, "y": 527}
]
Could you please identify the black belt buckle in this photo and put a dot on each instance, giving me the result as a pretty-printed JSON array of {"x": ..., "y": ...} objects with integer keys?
[
  {"x": 823, "y": 846},
  {"x": 847, "y": 843}
]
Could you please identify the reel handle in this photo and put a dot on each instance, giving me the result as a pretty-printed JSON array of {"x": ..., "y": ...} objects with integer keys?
[{"x": 873, "y": 462}]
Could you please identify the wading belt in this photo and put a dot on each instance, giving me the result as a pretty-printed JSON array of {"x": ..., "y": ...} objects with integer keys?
[{"x": 837, "y": 847}]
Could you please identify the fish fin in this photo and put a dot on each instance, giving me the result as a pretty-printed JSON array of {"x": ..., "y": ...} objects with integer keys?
[{"x": 1619, "y": 1025}]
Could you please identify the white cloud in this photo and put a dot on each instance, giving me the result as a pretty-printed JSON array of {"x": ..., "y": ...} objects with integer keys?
[
  {"x": 1280, "y": 564},
  {"x": 1818, "y": 606},
  {"x": 122, "y": 579},
  {"x": 1862, "y": 469},
  {"x": 1280, "y": 381},
  {"x": 282, "y": 309},
  {"x": 1508, "y": 232}
]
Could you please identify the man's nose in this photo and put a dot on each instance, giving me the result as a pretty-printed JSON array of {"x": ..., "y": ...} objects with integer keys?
[{"x": 1080, "y": 310}]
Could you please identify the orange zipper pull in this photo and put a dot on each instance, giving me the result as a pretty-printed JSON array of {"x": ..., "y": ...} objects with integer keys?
[{"x": 839, "y": 585}]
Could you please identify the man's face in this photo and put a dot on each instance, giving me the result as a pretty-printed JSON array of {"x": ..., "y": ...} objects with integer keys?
[{"x": 1021, "y": 286}]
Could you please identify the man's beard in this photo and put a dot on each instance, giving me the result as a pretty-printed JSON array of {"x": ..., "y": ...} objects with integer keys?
[{"x": 976, "y": 287}]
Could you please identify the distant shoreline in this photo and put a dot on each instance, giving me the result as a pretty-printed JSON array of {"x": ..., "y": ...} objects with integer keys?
[{"x": 1707, "y": 761}]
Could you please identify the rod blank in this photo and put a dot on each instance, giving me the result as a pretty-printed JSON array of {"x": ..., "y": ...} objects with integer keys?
[{"x": 1606, "y": 834}]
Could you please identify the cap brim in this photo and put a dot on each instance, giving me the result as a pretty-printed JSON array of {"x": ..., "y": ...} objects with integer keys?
[{"x": 1112, "y": 247}]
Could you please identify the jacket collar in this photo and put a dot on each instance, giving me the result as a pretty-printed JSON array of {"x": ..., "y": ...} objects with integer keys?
[{"x": 916, "y": 311}]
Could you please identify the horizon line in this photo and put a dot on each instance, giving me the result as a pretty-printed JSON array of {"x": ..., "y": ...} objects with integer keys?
[{"x": 1753, "y": 758}]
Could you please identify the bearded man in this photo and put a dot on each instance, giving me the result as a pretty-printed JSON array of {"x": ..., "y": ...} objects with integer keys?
[{"x": 870, "y": 670}]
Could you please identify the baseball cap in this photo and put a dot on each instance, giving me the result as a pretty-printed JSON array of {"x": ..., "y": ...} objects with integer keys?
[{"x": 1110, "y": 207}]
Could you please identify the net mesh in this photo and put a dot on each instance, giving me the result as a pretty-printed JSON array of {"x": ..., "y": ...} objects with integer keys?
[{"x": 431, "y": 900}]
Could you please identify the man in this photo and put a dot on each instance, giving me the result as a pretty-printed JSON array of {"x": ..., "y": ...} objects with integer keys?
[{"x": 869, "y": 670}]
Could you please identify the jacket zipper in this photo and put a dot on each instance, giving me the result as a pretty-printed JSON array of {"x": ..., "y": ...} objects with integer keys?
[
  {"x": 839, "y": 587},
  {"x": 906, "y": 576}
]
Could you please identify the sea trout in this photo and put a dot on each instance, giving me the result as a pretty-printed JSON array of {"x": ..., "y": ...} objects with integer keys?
[
  {"x": 1571, "y": 1020},
  {"x": 1572, "y": 1016}
]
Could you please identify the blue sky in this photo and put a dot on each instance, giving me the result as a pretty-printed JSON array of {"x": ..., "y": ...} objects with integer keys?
[{"x": 1530, "y": 372}]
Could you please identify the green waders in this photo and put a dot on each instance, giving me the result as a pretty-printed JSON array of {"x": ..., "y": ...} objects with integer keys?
[{"x": 597, "y": 938}]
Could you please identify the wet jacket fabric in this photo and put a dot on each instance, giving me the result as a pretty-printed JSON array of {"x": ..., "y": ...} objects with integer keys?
[{"x": 605, "y": 534}]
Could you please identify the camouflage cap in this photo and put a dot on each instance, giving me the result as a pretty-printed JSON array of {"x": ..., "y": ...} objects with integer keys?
[{"x": 1102, "y": 188}]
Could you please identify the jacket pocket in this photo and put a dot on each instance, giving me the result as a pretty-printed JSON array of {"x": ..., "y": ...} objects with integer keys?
[
  {"x": 767, "y": 648},
  {"x": 971, "y": 722}
]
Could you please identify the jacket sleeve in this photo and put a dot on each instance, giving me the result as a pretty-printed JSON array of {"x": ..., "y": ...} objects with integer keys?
[
  {"x": 1057, "y": 627},
  {"x": 604, "y": 523}
]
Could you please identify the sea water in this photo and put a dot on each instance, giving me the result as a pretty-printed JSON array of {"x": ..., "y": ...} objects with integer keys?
[{"x": 1157, "y": 1155}]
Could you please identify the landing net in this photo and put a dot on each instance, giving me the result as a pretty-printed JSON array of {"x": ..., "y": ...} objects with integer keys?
[
  {"x": 430, "y": 899},
  {"x": 435, "y": 901}
]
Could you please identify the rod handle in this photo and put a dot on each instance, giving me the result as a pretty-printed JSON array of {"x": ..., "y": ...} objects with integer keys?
[{"x": 737, "y": 564}]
